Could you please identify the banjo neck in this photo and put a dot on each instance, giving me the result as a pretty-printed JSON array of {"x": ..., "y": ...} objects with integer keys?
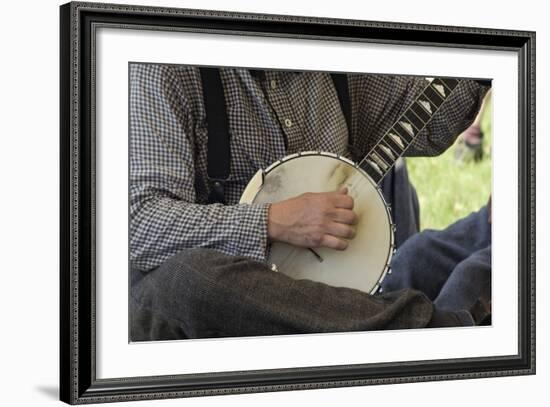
[{"x": 382, "y": 157}]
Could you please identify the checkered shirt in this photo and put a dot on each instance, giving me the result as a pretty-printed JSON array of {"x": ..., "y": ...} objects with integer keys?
[{"x": 270, "y": 115}]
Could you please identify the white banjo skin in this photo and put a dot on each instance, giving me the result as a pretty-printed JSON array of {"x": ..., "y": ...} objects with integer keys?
[{"x": 364, "y": 263}]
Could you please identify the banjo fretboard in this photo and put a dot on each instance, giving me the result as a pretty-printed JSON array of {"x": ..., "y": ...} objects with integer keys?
[{"x": 380, "y": 160}]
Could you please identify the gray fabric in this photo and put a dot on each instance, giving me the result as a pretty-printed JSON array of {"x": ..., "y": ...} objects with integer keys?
[
  {"x": 451, "y": 266},
  {"x": 203, "y": 293}
]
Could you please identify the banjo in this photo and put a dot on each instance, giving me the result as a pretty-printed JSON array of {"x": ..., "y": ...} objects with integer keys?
[{"x": 365, "y": 262}]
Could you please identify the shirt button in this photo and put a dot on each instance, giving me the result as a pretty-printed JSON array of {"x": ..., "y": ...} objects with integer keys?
[
  {"x": 288, "y": 123},
  {"x": 273, "y": 84}
]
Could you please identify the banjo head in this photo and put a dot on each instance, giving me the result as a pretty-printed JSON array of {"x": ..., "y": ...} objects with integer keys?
[{"x": 364, "y": 263}]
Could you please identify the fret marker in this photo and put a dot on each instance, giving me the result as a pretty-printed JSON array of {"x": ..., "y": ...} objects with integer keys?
[
  {"x": 379, "y": 161},
  {"x": 388, "y": 152},
  {"x": 407, "y": 126},
  {"x": 373, "y": 165},
  {"x": 397, "y": 139},
  {"x": 426, "y": 105},
  {"x": 440, "y": 89}
]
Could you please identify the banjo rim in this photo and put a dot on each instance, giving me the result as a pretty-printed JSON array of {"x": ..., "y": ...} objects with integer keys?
[{"x": 391, "y": 225}]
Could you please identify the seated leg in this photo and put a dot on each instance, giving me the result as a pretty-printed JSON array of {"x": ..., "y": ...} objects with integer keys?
[
  {"x": 203, "y": 293},
  {"x": 425, "y": 261},
  {"x": 469, "y": 281}
]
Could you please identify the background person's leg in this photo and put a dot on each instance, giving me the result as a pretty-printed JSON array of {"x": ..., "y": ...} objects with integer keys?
[
  {"x": 203, "y": 293},
  {"x": 425, "y": 261},
  {"x": 400, "y": 194},
  {"x": 469, "y": 281}
]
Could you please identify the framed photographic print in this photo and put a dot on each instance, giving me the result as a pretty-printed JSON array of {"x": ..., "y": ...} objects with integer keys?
[{"x": 240, "y": 191}]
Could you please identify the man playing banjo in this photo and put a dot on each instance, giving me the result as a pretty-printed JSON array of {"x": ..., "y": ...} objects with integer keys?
[{"x": 201, "y": 252}]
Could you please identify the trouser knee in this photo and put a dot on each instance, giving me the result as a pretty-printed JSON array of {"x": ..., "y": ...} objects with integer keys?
[{"x": 190, "y": 288}]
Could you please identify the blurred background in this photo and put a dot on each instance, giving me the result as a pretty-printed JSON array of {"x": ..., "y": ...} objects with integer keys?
[{"x": 458, "y": 182}]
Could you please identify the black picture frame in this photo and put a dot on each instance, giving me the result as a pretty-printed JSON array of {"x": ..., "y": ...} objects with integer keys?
[{"x": 78, "y": 382}]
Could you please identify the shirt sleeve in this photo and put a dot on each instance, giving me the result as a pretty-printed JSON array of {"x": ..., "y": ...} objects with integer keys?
[
  {"x": 164, "y": 215},
  {"x": 383, "y": 98}
]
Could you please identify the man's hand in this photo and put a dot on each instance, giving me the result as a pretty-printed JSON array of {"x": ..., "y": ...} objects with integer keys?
[{"x": 314, "y": 220}]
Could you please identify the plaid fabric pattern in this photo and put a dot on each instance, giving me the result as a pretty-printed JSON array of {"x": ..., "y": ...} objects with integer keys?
[{"x": 271, "y": 114}]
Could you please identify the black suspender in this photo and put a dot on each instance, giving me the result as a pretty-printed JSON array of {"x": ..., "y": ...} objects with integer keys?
[
  {"x": 341, "y": 84},
  {"x": 219, "y": 153}
]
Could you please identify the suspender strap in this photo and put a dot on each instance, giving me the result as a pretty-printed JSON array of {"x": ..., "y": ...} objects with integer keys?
[
  {"x": 219, "y": 153},
  {"x": 341, "y": 84}
]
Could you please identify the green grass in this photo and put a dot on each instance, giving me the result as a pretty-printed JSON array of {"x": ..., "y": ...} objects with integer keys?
[{"x": 449, "y": 190}]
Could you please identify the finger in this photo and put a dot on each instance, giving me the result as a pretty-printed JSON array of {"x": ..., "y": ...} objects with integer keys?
[
  {"x": 343, "y": 190},
  {"x": 333, "y": 242},
  {"x": 346, "y": 216},
  {"x": 341, "y": 230},
  {"x": 342, "y": 201}
]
